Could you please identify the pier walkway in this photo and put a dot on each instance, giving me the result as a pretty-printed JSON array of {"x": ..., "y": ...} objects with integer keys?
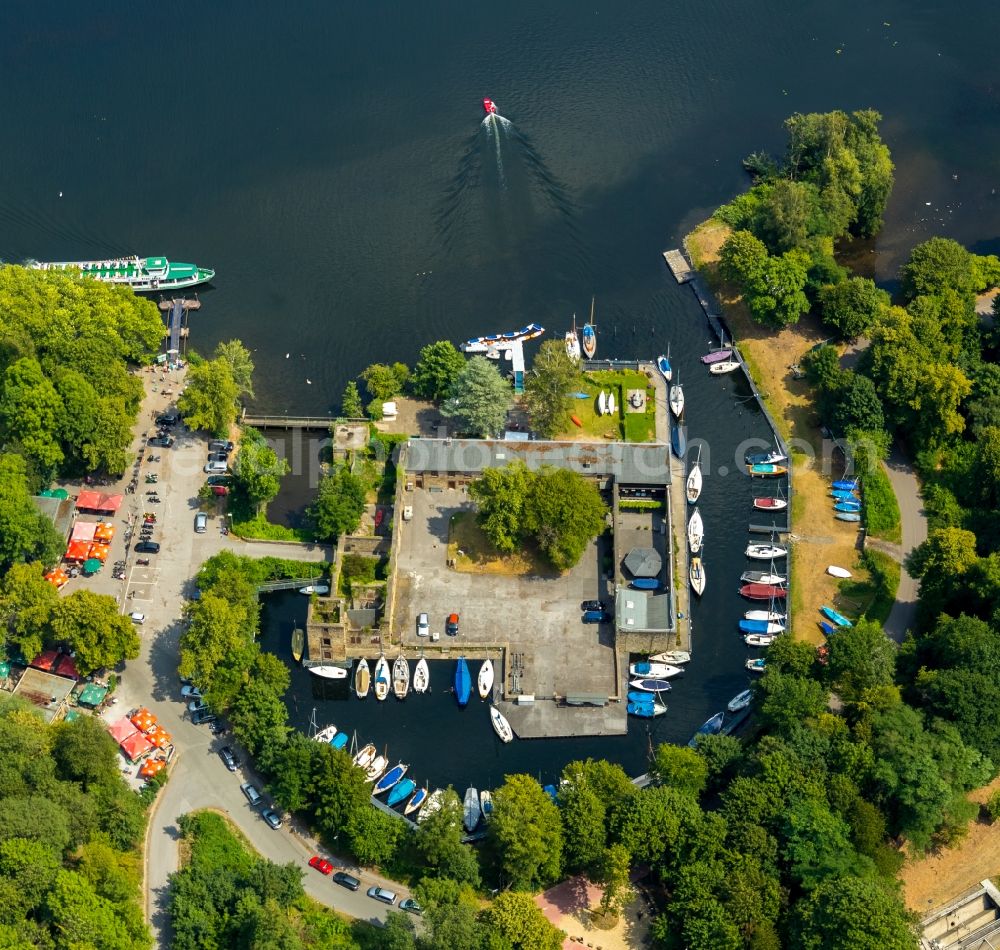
[{"x": 285, "y": 421}]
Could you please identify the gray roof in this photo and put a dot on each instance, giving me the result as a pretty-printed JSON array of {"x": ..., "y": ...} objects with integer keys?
[
  {"x": 632, "y": 464},
  {"x": 639, "y": 610},
  {"x": 60, "y": 511},
  {"x": 644, "y": 562}
]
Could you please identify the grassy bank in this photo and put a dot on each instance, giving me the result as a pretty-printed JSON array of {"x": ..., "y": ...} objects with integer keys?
[
  {"x": 882, "y": 518},
  {"x": 260, "y": 529}
]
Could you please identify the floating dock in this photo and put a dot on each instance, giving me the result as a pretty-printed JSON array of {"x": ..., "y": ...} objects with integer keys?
[
  {"x": 679, "y": 266},
  {"x": 508, "y": 346}
]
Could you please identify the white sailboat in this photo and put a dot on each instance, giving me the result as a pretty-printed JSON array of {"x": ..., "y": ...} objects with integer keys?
[
  {"x": 726, "y": 366},
  {"x": 400, "y": 677},
  {"x": 365, "y": 756},
  {"x": 382, "y": 678},
  {"x": 694, "y": 481},
  {"x": 696, "y": 531},
  {"x": 673, "y": 657},
  {"x": 696, "y": 574},
  {"x": 500, "y": 725},
  {"x": 421, "y": 676},
  {"x": 485, "y": 679},
  {"x": 676, "y": 400}
]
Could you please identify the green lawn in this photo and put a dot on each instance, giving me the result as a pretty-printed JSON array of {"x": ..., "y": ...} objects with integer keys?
[
  {"x": 630, "y": 426},
  {"x": 881, "y": 510}
]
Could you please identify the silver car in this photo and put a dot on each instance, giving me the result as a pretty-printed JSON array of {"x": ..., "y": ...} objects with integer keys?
[{"x": 423, "y": 625}]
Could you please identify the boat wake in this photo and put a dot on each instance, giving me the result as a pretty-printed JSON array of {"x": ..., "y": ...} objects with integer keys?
[{"x": 496, "y": 126}]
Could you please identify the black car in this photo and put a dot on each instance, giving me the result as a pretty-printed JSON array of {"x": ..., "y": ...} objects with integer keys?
[
  {"x": 593, "y": 605},
  {"x": 147, "y": 547},
  {"x": 220, "y": 480},
  {"x": 228, "y": 759},
  {"x": 347, "y": 880},
  {"x": 164, "y": 441},
  {"x": 168, "y": 419},
  {"x": 218, "y": 457},
  {"x": 203, "y": 716}
]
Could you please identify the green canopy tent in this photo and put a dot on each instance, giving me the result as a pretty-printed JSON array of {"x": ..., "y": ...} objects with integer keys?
[
  {"x": 91, "y": 566},
  {"x": 92, "y": 695}
]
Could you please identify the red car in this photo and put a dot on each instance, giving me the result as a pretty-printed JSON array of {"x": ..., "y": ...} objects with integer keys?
[{"x": 321, "y": 864}]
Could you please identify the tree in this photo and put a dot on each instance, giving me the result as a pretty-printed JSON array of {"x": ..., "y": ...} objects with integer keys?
[
  {"x": 209, "y": 400},
  {"x": 939, "y": 562},
  {"x": 436, "y": 370},
  {"x": 743, "y": 259},
  {"x": 853, "y": 306},
  {"x": 92, "y": 627},
  {"x": 340, "y": 502},
  {"x": 546, "y": 390},
  {"x": 25, "y": 533},
  {"x": 784, "y": 214},
  {"x": 501, "y": 496},
  {"x": 787, "y": 700},
  {"x": 384, "y": 382},
  {"x": 84, "y": 919},
  {"x": 32, "y": 414},
  {"x": 938, "y": 264},
  {"x": 817, "y": 844},
  {"x": 399, "y": 932},
  {"x": 259, "y": 718},
  {"x": 350, "y": 403},
  {"x": 861, "y": 661},
  {"x": 564, "y": 513},
  {"x": 822, "y": 367},
  {"x": 240, "y": 364},
  {"x": 852, "y": 913},
  {"x": 373, "y": 835},
  {"x": 526, "y": 833},
  {"x": 85, "y": 753},
  {"x": 858, "y": 405},
  {"x": 779, "y": 299},
  {"x": 26, "y": 604},
  {"x": 514, "y": 921},
  {"x": 615, "y": 878},
  {"x": 681, "y": 768},
  {"x": 217, "y": 632},
  {"x": 439, "y": 843},
  {"x": 478, "y": 399},
  {"x": 875, "y": 165},
  {"x": 257, "y": 470}
]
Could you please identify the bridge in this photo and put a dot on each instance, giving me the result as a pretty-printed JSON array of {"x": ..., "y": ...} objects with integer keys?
[
  {"x": 285, "y": 421},
  {"x": 291, "y": 584}
]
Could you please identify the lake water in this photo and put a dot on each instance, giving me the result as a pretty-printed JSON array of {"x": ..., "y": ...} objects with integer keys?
[{"x": 330, "y": 162}]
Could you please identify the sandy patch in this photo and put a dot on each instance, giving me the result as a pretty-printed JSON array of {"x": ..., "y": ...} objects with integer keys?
[{"x": 568, "y": 906}]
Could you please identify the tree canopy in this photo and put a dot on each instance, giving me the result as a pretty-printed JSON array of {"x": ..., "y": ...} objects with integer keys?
[
  {"x": 478, "y": 399},
  {"x": 339, "y": 504},
  {"x": 25, "y": 533},
  {"x": 437, "y": 369},
  {"x": 210, "y": 397},
  {"x": 257, "y": 471},
  {"x": 547, "y": 389}
]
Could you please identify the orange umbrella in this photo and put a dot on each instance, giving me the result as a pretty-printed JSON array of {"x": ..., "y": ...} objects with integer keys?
[
  {"x": 99, "y": 551},
  {"x": 104, "y": 532},
  {"x": 150, "y": 767},
  {"x": 143, "y": 719},
  {"x": 159, "y": 737},
  {"x": 58, "y": 577}
]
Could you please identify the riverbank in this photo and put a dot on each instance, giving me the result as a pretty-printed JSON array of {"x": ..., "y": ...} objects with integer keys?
[{"x": 819, "y": 540}]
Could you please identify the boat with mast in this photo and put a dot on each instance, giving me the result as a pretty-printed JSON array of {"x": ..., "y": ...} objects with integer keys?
[
  {"x": 694, "y": 480},
  {"x": 400, "y": 677},
  {"x": 484, "y": 681},
  {"x": 663, "y": 365},
  {"x": 674, "y": 657},
  {"x": 381, "y": 678},
  {"x": 500, "y": 725},
  {"x": 676, "y": 399},
  {"x": 696, "y": 574},
  {"x": 573, "y": 343},
  {"x": 142, "y": 274},
  {"x": 589, "y": 335},
  {"x": 696, "y": 531},
  {"x": 298, "y": 644},
  {"x": 463, "y": 682},
  {"x": 362, "y": 679},
  {"x": 421, "y": 676}
]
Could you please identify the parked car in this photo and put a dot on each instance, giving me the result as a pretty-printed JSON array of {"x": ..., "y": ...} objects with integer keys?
[
  {"x": 423, "y": 625},
  {"x": 164, "y": 441},
  {"x": 203, "y": 716},
  {"x": 253, "y": 796},
  {"x": 593, "y": 605},
  {"x": 407, "y": 512},
  {"x": 197, "y": 705},
  {"x": 271, "y": 817},
  {"x": 137, "y": 617},
  {"x": 596, "y": 616},
  {"x": 321, "y": 864},
  {"x": 218, "y": 457},
  {"x": 347, "y": 880},
  {"x": 220, "y": 489},
  {"x": 200, "y": 522},
  {"x": 190, "y": 692},
  {"x": 381, "y": 894},
  {"x": 228, "y": 759},
  {"x": 168, "y": 419},
  {"x": 411, "y": 905},
  {"x": 219, "y": 445},
  {"x": 215, "y": 468},
  {"x": 220, "y": 479},
  {"x": 451, "y": 625},
  {"x": 147, "y": 547}
]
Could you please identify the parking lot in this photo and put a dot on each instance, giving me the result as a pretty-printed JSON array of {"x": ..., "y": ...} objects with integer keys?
[{"x": 535, "y": 619}]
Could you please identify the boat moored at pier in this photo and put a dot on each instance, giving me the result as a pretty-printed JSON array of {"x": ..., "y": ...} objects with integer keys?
[{"x": 140, "y": 273}]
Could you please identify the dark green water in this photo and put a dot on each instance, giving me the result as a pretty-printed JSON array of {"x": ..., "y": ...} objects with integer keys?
[{"x": 329, "y": 161}]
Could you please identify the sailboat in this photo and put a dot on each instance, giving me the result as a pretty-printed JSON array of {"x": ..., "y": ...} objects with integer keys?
[
  {"x": 362, "y": 679},
  {"x": 366, "y": 756},
  {"x": 421, "y": 676},
  {"x": 400, "y": 791},
  {"x": 381, "y": 678},
  {"x": 485, "y": 679},
  {"x": 711, "y": 727},
  {"x": 645, "y": 708},
  {"x": 740, "y": 701},
  {"x": 693, "y": 490},
  {"x": 486, "y": 803},
  {"x": 659, "y": 670},
  {"x": 326, "y": 734},
  {"x": 390, "y": 778},
  {"x": 500, "y": 725},
  {"x": 471, "y": 810},
  {"x": 696, "y": 531},
  {"x": 678, "y": 440},
  {"x": 776, "y": 503},
  {"x": 677, "y": 400},
  {"x": 298, "y": 644},
  {"x": 418, "y": 799},
  {"x": 771, "y": 616},
  {"x": 400, "y": 677},
  {"x": 590, "y": 335},
  {"x": 663, "y": 365},
  {"x": 771, "y": 628},
  {"x": 463, "y": 682},
  {"x": 573, "y": 343},
  {"x": 723, "y": 367},
  {"x": 765, "y": 552},
  {"x": 696, "y": 574},
  {"x": 674, "y": 657},
  {"x": 433, "y": 804},
  {"x": 763, "y": 577}
]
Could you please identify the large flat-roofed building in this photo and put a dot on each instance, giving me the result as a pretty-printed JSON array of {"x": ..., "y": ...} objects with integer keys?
[{"x": 970, "y": 922}]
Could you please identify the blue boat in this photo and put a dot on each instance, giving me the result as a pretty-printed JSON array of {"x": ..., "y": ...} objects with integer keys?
[
  {"x": 711, "y": 727},
  {"x": 678, "y": 441},
  {"x": 646, "y": 710},
  {"x": 846, "y": 486},
  {"x": 550, "y": 790},
  {"x": 389, "y": 779},
  {"x": 826, "y": 628},
  {"x": 400, "y": 791},
  {"x": 839, "y": 619},
  {"x": 847, "y": 506},
  {"x": 651, "y": 685},
  {"x": 848, "y": 516},
  {"x": 581, "y": 395},
  {"x": 757, "y": 626},
  {"x": 636, "y": 696},
  {"x": 842, "y": 494},
  {"x": 340, "y": 740},
  {"x": 463, "y": 681},
  {"x": 663, "y": 365},
  {"x": 589, "y": 341},
  {"x": 645, "y": 583}
]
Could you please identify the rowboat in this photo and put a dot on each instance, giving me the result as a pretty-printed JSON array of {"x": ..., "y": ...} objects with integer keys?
[
  {"x": 765, "y": 552},
  {"x": 828, "y": 629},
  {"x": 696, "y": 575},
  {"x": 381, "y": 678},
  {"x": 326, "y": 734},
  {"x": 717, "y": 356},
  {"x": 711, "y": 727},
  {"x": 400, "y": 791},
  {"x": 602, "y": 403},
  {"x": 484, "y": 681},
  {"x": 432, "y": 804},
  {"x": 463, "y": 682},
  {"x": 340, "y": 740},
  {"x": 740, "y": 701},
  {"x": 376, "y": 768},
  {"x": 663, "y": 365},
  {"x": 846, "y": 485},
  {"x": 694, "y": 480},
  {"x": 389, "y": 779},
  {"x": 767, "y": 471},
  {"x": 644, "y": 583},
  {"x": 362, "y": 679},
  {"x": 400, "y": 677},
  {"x": 678, "y": 440},
  {"x": 611, "y": 404},
  {"x": 365, "y": 756},
  {"x": 771, "y": 616},
  {"x": 852, "y": 516},
  {"x": 696, "y": 531},
  {"x": 847, "y": 506},
  {"x": 471, "y": 810},
  {"x": 486, "y": 804},
  {"x": 647, "y": 710},
  {"x": 839, "y": 619},
  {"x": 659, "y": 670},
  {"x": 835, "y": 571},
  {"x": 771, "y": 627},
  {"x": 677, "y": 400},
  {"x": 298, "y": 644},
  {"x": 756, "y": 666},
  {"x": 651, "y": 685},
  {"x": 842, "y": 494},
  {"x": 760, "y": 639},
  {"x": 675, "y": 657},
  {"x": 762, "y": 577},
  {"x": 500, "y": 725},
  {"x": 329, "y": 672},
  {"x": 417, "y": 799},
  {"x": 770, "y": 504},
  {"x": 421, "y": 676},
  {"x": 723, "y": 367},
  {"x": 763, "y": 592}
]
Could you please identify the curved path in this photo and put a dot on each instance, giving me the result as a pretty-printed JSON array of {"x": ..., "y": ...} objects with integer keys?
[{"x": 904, "y": 481}]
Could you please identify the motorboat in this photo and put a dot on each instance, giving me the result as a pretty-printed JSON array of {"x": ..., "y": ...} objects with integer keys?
[
  {"x": 471, "y": 810},
  {"x": 376, "y": 768},
  {"x": 651, "y": 685},
  {"x": 762, "y": 577},
  {"x": 711, "y": 727},
  {"x": 646, "y": 710},
  {"x": 362, "y": 679},
  {"x": 340, "y": 740},
  {"x": 326, "y": 734},
  {"x": 463, "y": 682},
  {"x": 644, "y": 583},
  {"x": 381, "y": 680},
  {"x": 769, "y": 627},
  {"x": 500, "y": 725},
  {"x": 696, "y": 575},
  {"x": 659, "y": 670},
  {"x": 298, "y": 644},
  {"x": 484, "y": 682},
  {"x": 835, "y": 571},
  {"x": 839, "y": 619},
  {"x": 416, "y": 801},
  {"x": 740, "y": 701},
  {"x": 678, "y": 440},
  {"x": 400, "y": 677},
  {"x": 365, "y": 756},
  {"x": 763, "y": 592},
  {"x": 142, "y": 274},
  {"x": 489, "y": 107},
  {"x": 676, "y": 400},
  {"x": 696, "y": 531},
  {"x": 723, "y": 367},
  {"x": 390, "y": 778},
  {"x": 770, "y": 504},
  {"x": 767, "y": 471},
  {"x": 663, "y": 365},
  {"x": 314, "y": 589},
  {"x": 765, "y": 458},
  {"x": 421, "y": 676},
  {"x": 756, "y": 666},
  {"x": 768, "y": 616},
  {"x": 674, "y": 657},
  {"x": 760, "y": 639},
  {"x": 765, "y": 552},
  {"x": 400, "y": 792},
  {"x": 486, "y": 804},
  {"x": 329, "y": 672}
]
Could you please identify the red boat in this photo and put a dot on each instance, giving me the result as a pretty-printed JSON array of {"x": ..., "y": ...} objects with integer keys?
[
  {"x": 763, "y": 592},
  {"x": 770, "y": 504},
  {"x": 489, "y": 107}
]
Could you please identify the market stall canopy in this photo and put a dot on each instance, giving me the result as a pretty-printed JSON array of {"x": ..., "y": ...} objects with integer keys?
[
  {"x": 98, "y": 551},
  {"x": 104, "y": 532},
  {"x": 58, "y": 577},
  {"x": 122, "y": 729},
  {"x": 644, "y": 562},
  {"x": 92, "y": 565},
  {"x": 95, "y": 501},
  {"x": 83, "y": 531},
  {"x": 45, "y": 661},
  {"x": 92, "y": 695},
  {"x": 66, "y": 667},
  {"x": 78, "y": 551},
  {"x": 143, "y": 719},
  {"x": 136, "y": 746}
]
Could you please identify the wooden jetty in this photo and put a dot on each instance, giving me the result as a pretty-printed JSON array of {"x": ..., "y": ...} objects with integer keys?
[
  {"x": 768, "y": 528},
  {"x": 679, "y": 266}
]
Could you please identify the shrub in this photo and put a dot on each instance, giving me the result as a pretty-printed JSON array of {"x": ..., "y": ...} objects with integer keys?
[{"x": 882, "y": 517}]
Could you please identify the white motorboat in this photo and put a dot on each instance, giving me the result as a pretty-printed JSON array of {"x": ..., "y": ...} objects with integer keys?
[
  {"x": 486, "y": 804},
  {"x": 470, "y": 809},
  {"x": 433, "y": 804},
  {"x": 400, "y": 677},
  {"x": 763, "y": 577},
  {"x": 759, "y": 639},
  {"x": 314, "y": 589},
  {"x": 326, "y": 734},
  {"x": 756, "y": 666},
  {"x": 765, "y": 552},
  {"x": 376, "y": 768},
  {"x": 365, "y": 756},
  {"x": 726, "y": 366},
  {"x": 382, "y": 678},
  {"x": 770, "y": 616},
  {"x": 421, "y": 676},
  {"x": 657, "y": 670},
  {"x": 677, "y": 400},
  {"x": 500, "y": 725},
  {"x": 602, "y": 403},
  {"x": 696, "y": 531},
  {"x": 485, "y": 680},
  {"x": 835, "y": 571},
  {"x": 740, "y": 701},
  {"x": 674, "y": 657},
  {"x": 329, "y": 672}
]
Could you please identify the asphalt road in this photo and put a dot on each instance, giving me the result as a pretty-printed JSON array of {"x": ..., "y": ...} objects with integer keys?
[{"x": 198, "y": 778}]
